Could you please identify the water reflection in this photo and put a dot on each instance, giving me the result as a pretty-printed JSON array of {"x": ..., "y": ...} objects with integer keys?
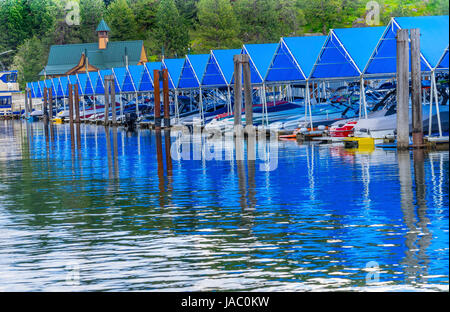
[{"x": 145, "y": 220}]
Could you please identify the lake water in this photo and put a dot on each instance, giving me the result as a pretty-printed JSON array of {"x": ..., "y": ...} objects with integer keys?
[{"x": 87, "y": 209}]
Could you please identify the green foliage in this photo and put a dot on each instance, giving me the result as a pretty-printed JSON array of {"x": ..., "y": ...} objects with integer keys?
[
  {"x": 120, "y": 18},
  {"x": 217, "y": 27},
  {"x": 29, "y": 60},
  {"x": 259, "y": 20},
  {"x": 145, "y": 15},
  {"x": 171, "y": 32},
  {"x": 22, "y": 19},
  {"x": 188, "y": 10}
]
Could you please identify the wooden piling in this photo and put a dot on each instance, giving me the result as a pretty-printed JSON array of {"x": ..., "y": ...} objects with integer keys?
[
  {"x": 50, "y": 102},
  {"x": 30, "y": 103},
  {"x": 70, "y": 103},
  {"x": 77, "y": 103},
  {"x": 402, "y": 89},
  {"x": 416, "y": 86},
  {"x": 247, "y": 90},
  {"x": 45, "y": 106},
  {"x": 237, "y": 59},
  {"x": 165, "y": 75},
  {"x": 106, "y": 113},
  {"x": 157, "y": 101},
  {"x": 27, "y": 112},
  {"x": 113, "y": 99}
]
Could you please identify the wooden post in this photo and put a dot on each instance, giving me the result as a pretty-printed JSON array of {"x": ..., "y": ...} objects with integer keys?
[
  {"x": 30, "y": 103},
  {"x": 165, "y": 75},
  {"x": 237, "y": 89},
  {"x": 402, "y": 89},
  {"x": 77, "y": 103},
  {"x": 27, "y": 112},
  {"x": 106, "y": 114},
  {"x": 70, "y": 103},
  {"x": 50, "y": 101},
  {"x": 157, "y": 104},
  {"x": 416, "y": 86},
  {"x": 113, "y": 99},
  {"x": 45, "y": 106},
  {"x": 247, "y": 90}
]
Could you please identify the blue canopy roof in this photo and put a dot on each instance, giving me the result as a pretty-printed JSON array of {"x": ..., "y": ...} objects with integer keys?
[
  {"x": 58, "y": 87},
  {"x": 443, "y": 63},
  {"x": 135, "y": 72},
  {"x": 119, "y": 77},
  {"x": 260, "y": 57},
  {"x": 433, "y": 42},
  {"x": 49, "y": 85},
  {"x": 292, "y": 61},
  {"x": 92, "y": 83},
  {"x": 174, "y": 67},
  {"x": 100, "y": 86},
  {"x": 346, "y": 52},
  {"x": 147, "y": 76},
  {"x": 30, "y": 86},
  {"x": 129, "y": 84},
  {"x": 100, "y": 89},
  {"x": 193, "y": 68},
  {"x": 63, "y": 85},
  {"x": 41, "y": 84},
  {"x": 220, "y": 67},
  {"x": 37, "y": 89},
  {"x": 83, "y": 80},
  {"x": 55, "y": 83},
  {"x": 74, "y": 81}
]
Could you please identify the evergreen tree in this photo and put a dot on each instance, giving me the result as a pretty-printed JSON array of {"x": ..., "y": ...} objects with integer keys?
[
  {"x": 217, "y": 27},
  {"x": 22, "y": 19},
  {"x": 188, "y": 10},
  {"x": 145, "y": 13},
  {"x": 259, "y": 20},
  {"x": 121, "y": 20},
  {"x": 321, "y": 15},
  {"x": 29, "y": 60},
  {"x": 171, "y": 33}
]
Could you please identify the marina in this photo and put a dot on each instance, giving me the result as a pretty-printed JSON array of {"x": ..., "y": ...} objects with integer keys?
[{"x": 314, "y": 163}]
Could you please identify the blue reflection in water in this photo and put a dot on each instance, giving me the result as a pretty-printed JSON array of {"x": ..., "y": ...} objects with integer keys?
[{"x": 133, "y": 218}]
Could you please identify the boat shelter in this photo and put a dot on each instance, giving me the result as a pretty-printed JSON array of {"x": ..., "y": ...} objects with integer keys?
[
  {"x": 433, "y": 42},
  {"x": 219, "y": 69},
  {"x": 292, "y": 61},
  {"x": 174, "y": 67},
  {"x": 192, "y": 71}
]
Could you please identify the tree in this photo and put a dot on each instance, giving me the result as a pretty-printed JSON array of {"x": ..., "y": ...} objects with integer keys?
[
  {"x": 145, "y": 14},
  {"x": 259, "y": 20},
  {"x": 321, "y": 15},
  {"x": 29, "y": 60},
  {"x": 171, "y": 32},
  {"x": 188, "y": 10},
  {"x": 217, "y": 27},
  {"x": 121, "y": 20},
  {"x": 22, "y": 19}
]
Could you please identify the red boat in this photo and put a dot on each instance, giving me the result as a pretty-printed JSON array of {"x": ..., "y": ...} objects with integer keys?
[{"x": 344, "y": 131}]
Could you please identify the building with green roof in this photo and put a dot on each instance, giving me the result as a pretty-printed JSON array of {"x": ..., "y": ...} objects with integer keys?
[{"x": 69, "y": 59}]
